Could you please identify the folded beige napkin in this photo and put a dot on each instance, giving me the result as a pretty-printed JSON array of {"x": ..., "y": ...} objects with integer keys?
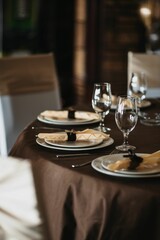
[
  {"x": 139, "y": 104},
  {"x": 87, "y": 134},
  {"x": 114, "y": 100},
  {"x": 63, "y": 114},
  {"x": 149, "y": 161}
]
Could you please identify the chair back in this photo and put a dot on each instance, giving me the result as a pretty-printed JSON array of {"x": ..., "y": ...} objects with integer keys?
[
  {"x": 28, "y": 86},
  {"x": 148, "y": 64}
]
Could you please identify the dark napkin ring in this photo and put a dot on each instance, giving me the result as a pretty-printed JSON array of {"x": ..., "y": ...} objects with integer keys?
[
  {"x": 135, "y": 160},
  {"x": 71, "y": 113},
  {"x": 71, "y": 136}
]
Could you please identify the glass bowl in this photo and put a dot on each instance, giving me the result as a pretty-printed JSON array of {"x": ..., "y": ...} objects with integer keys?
[{"x": 150, "y": 119}]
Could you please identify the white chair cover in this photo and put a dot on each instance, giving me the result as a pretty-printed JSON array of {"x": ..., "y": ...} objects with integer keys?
[
  {"x": 150, "y": 65},
  {"x": 19, "y": 215},
  {"x": 28, "y": 86}
]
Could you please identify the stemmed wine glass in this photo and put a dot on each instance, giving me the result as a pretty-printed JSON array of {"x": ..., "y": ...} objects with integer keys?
[
  {"x": 101, "y": 102},
  {"x": 138, "y": 86},
  {"x": 126, "y": 117}
]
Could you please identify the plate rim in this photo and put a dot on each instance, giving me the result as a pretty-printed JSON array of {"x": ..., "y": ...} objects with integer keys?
[
  {"x": 131, "y": 172},
  {"x": 99, "y": 146},
  {"x": 117, "y": 174},
  {"x": 99, "y": 141},
  {"x": 113, "y": 107},
  {"x": 71, "y": 122}
]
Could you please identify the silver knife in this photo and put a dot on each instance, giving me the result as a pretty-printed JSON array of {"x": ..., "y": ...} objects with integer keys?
[{"x": 72, "y": 155}]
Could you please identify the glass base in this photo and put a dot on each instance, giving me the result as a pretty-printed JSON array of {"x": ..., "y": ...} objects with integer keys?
[
  {"x": 103, "y": 129},
  {"x": 125, "y": 148}
]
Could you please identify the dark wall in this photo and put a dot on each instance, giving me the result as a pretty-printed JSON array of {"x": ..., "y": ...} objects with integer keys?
[
  {"x": 118, "y": 29},
  {"x": 1, "y": 25},
  {"x": 56, "y": 31},
  {"x": 113, "y": 28}
]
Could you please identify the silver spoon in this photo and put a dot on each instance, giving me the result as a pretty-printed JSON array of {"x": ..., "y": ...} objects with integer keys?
[
  {"x": 72, "y": 155},
  {"x": 46, "y": 128},
  {"x": 81, "y": 164}
]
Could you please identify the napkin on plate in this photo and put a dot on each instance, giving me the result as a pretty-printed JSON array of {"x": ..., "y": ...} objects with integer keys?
[
  {"x": 87, "y": 134},
  {"x": 114, "y": 100},
  {"x": 149, "y": 161},
  {"x": 63, "y": 115}
]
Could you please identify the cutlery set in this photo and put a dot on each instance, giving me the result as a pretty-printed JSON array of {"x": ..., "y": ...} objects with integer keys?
[{"x": 81, "y": 155}]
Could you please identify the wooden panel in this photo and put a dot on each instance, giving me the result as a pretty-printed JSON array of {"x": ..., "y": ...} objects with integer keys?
[
  {"x": 105, "y": 31},
  {"x": 121, "y": 30}
]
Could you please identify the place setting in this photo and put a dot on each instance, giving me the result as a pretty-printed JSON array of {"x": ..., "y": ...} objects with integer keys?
[
  {"x": 118, "y": 165},
  {"x": 68, "y": 117},
  {"x": 127, "y": 163},
  {"x": 86, "y": 139},
  {"x": 101, "y": 103},
  {"x": 71, "y": 140}
]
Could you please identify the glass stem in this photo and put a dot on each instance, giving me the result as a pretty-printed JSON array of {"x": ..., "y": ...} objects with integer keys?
[
  {"x": 138, "y": 111},
  {"x": 101, "y": 124},
  {"x": 125, "y": 136}
]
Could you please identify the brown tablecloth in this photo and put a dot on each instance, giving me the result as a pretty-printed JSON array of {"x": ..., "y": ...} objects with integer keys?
[{"x": 83, "y": 204}]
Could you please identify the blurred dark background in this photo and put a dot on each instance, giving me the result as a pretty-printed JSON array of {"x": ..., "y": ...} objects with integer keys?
[{"x": 90, "y": 39}]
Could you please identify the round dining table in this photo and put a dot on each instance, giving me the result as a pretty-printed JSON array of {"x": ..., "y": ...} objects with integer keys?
[{"x": 86, "y": 204}]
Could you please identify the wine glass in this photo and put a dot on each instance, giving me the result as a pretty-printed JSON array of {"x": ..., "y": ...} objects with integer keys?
[
  {"x": 126, "y": 117},
  {"x": 101, "y": 102},
  {"x": 138, "y": 86}
]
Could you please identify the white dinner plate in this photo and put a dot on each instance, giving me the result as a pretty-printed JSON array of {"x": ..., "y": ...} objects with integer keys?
[
  {"x": 113, "y": 158},
  {"x": 105, "y": 143},
  {"x": 144, "y": 104},
  {"x": 99, "y": 163},
  {"x": 69, "y": 121},
  {"x": 74, "y": 144}
]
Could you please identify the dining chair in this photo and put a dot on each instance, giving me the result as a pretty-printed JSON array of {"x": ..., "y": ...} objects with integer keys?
[
  {"x": 19, "y": 215},
  {"x": 149, "y": 64},
  {"x": 28, "y": 86}
]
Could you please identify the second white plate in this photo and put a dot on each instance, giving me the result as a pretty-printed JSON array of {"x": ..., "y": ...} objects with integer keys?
[
  {"x": 144, "y": 104},
  {"x": 42, "y": 143},
  {"x": 75, "y": 144},
  {"x": 93, "y": 119}
]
